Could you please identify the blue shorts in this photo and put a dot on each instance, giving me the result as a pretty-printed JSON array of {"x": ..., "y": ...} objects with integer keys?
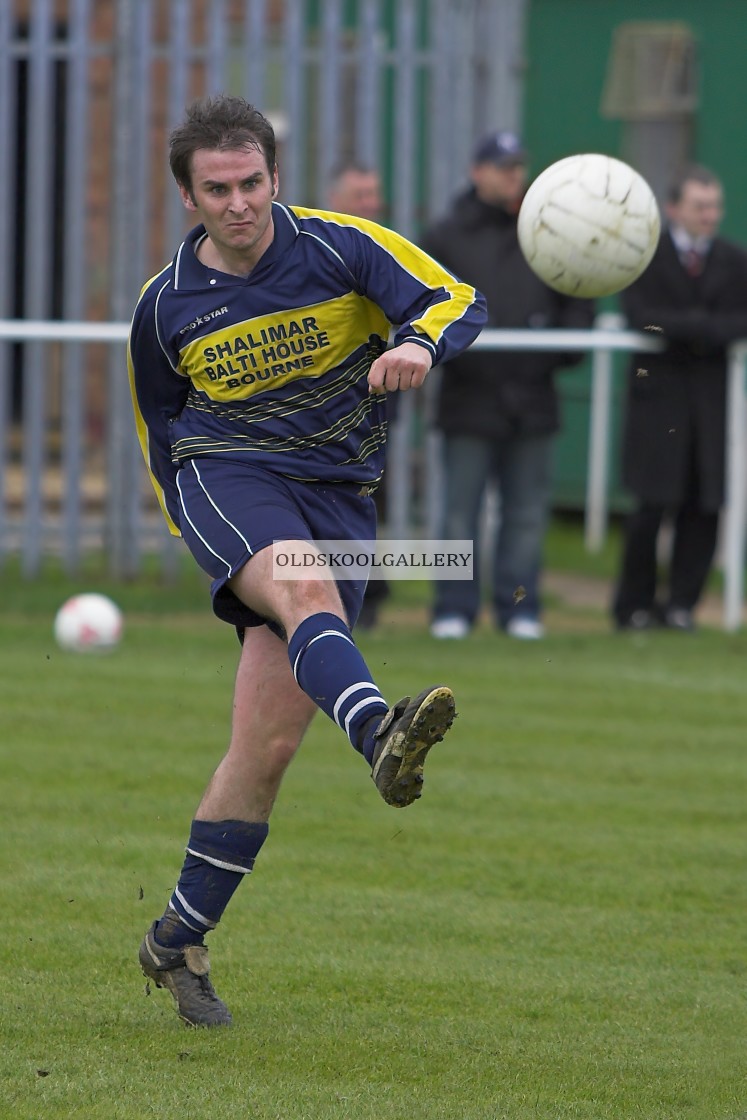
[{"x": 230, "y": 510}]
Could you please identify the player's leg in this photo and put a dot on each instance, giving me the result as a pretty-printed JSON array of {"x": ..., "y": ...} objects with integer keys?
[
  {"x": 270, "y": 715},
  {"x": 332, "y": 671},
  {"x": 232, "y": 516}
]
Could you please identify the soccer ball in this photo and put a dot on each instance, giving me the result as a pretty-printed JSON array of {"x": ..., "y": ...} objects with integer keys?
[
  {"x": 589, "y": 225},
  {"x": 88, "y": 623}
]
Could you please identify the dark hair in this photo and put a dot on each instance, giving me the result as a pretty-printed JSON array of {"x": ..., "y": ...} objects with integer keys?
[
  {"x": 219, "y": 122},
  {"x": 695, "y": 173}
]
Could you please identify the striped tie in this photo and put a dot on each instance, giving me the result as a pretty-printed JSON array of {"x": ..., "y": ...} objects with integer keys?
[{"x": 693, "y": 262}]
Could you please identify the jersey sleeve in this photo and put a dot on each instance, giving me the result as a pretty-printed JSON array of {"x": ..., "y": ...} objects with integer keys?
[
  {"x": 426, "y": 303},
  {"x": 159, "y": 393}
]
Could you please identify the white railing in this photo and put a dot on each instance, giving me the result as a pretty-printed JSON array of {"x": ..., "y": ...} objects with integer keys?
[{"x": 603, "y": 341}]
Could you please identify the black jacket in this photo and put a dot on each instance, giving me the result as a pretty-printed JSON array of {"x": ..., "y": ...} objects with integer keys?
[
  {"x": 676, "y": 412},
  {"x": 500, "y": 393}
]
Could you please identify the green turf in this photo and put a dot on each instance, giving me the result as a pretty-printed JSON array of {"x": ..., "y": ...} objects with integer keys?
[{"x": 555, "y": 931}]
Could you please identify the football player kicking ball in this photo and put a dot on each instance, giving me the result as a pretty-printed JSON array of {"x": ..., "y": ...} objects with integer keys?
[{"x": 258, "y": 367}]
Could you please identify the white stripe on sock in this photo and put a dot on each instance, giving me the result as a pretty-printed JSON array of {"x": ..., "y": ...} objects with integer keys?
[
  {"x": 349, "y": 692},
  {"x": 359, "y": 706},
  {"x": 219, "y": 862},
  {"x": 324, "y": 634},
  {"x": 193, "y": 913}
]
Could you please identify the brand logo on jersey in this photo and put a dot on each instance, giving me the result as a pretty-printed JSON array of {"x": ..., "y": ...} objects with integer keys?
[{"x": 200, "y": 319}]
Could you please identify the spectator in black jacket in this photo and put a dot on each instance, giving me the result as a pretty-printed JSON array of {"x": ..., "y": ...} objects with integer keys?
[{"x": 498, "y": 410}]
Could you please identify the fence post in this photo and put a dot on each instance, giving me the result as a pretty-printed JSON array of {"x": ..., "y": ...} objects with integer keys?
[
  {"x": 124, "y": 287},
  {"x": 736, "y": 487},
  {"x": 597, "y": 474}
]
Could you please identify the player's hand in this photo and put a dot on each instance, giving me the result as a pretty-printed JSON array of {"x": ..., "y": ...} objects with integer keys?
[{"x": 404, "y": 367}]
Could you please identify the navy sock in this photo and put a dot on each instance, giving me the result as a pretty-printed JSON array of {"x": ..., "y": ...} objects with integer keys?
[
  {"x": 366, "y": 742},
  {"x": 331, "y": 670},
  {"x": 219, "y": 855}
]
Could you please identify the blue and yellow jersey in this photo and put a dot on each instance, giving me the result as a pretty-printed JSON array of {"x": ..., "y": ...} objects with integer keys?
[{"x": 272, "y": 368}]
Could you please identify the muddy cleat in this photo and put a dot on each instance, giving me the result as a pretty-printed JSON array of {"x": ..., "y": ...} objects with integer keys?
[
  {"x": 405, "y": 735},
  {"x": 185, "y": 973}
]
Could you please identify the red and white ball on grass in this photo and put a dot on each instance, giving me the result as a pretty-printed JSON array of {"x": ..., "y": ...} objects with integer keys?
[
  {"x": 89, "y": 623},
  {"x": 589, "y": 225}
]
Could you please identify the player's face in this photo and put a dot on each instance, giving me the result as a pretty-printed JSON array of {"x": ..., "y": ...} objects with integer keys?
[
  {"x": 232, "y": 193},
  {"x": 700, "y": 209},
  {"x": 358, "y": 193},
  {"x": 500, "y": 186}
]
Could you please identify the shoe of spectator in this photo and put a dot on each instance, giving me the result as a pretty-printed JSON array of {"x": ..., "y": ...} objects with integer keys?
[
  {"x": 638, "y": 620},
  {"x": 452, "y": 627},
  {"x": 527, "y": 629},
  {"x": 679, "y": 618}
]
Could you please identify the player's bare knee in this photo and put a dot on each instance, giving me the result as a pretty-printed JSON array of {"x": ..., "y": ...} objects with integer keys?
[{"x": 308, "y": 597}]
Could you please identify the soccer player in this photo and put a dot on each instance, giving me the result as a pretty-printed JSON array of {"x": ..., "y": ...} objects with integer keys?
[{"x": 258, "y": 365}]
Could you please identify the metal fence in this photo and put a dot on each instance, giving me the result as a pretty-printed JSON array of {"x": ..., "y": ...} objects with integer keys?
[
  {"x": 74, "y": 529},
  {"x": 88, "y": 92}
]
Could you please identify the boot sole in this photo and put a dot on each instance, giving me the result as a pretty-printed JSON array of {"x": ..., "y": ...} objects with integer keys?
[{"x": 399, "y": 771}]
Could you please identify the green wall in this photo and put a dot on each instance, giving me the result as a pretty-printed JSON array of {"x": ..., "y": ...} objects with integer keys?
[
  {"x": 567, "y": 48},
  {"x": 568, "y": 43}
]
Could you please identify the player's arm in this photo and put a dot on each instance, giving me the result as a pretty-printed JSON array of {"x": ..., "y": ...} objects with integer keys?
[
  {"x": 158, "y": 393},
  {"x": 432, "y": 310}
]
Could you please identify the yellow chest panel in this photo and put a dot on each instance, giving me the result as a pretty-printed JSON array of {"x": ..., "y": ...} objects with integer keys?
[{"x": 269, "y": 351}]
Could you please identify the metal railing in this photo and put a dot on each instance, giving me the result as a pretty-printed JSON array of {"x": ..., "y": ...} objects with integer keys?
[{"x": 607, "y": 338}]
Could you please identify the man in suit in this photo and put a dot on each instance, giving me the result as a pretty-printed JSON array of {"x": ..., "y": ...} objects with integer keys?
[{"x": 694, "y": 295}]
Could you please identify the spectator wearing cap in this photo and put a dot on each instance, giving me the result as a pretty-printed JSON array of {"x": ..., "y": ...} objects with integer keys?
[{"x": 498, "y": 411}]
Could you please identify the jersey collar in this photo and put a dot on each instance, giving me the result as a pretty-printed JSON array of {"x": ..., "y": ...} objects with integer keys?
[{"x": 190, "y": 274}]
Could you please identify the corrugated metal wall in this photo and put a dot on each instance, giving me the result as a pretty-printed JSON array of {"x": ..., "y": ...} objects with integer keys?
[{"x": 88, "y": 92}]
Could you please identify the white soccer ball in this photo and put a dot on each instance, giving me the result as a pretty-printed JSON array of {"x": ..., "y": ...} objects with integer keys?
[
  {"x": 88, "y": 623},
  {"x": 589, "y": 225}
]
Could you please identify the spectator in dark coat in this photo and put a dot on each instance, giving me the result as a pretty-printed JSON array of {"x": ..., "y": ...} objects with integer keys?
[
  {"x": 499, "y": 411},
  {"x": 694, "y": 294}
]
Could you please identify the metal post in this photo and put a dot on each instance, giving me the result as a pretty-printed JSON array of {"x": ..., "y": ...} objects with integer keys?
[
  {"x": 36, "y": 300},
  {"x": 368, "y": 66},
  {"x": 7, "y": 156},
  {"x": 125, "y": 220},
  {"x": 74, "y": 294},
  {"x": 292, "y": 172},
  {"x": 597, "y": 474},
  {"x": 330, "y": 95},
  {"x": 736, "y": 488}
]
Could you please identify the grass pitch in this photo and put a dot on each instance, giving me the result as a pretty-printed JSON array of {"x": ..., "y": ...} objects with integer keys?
[{"x": 556, "y": 930}]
